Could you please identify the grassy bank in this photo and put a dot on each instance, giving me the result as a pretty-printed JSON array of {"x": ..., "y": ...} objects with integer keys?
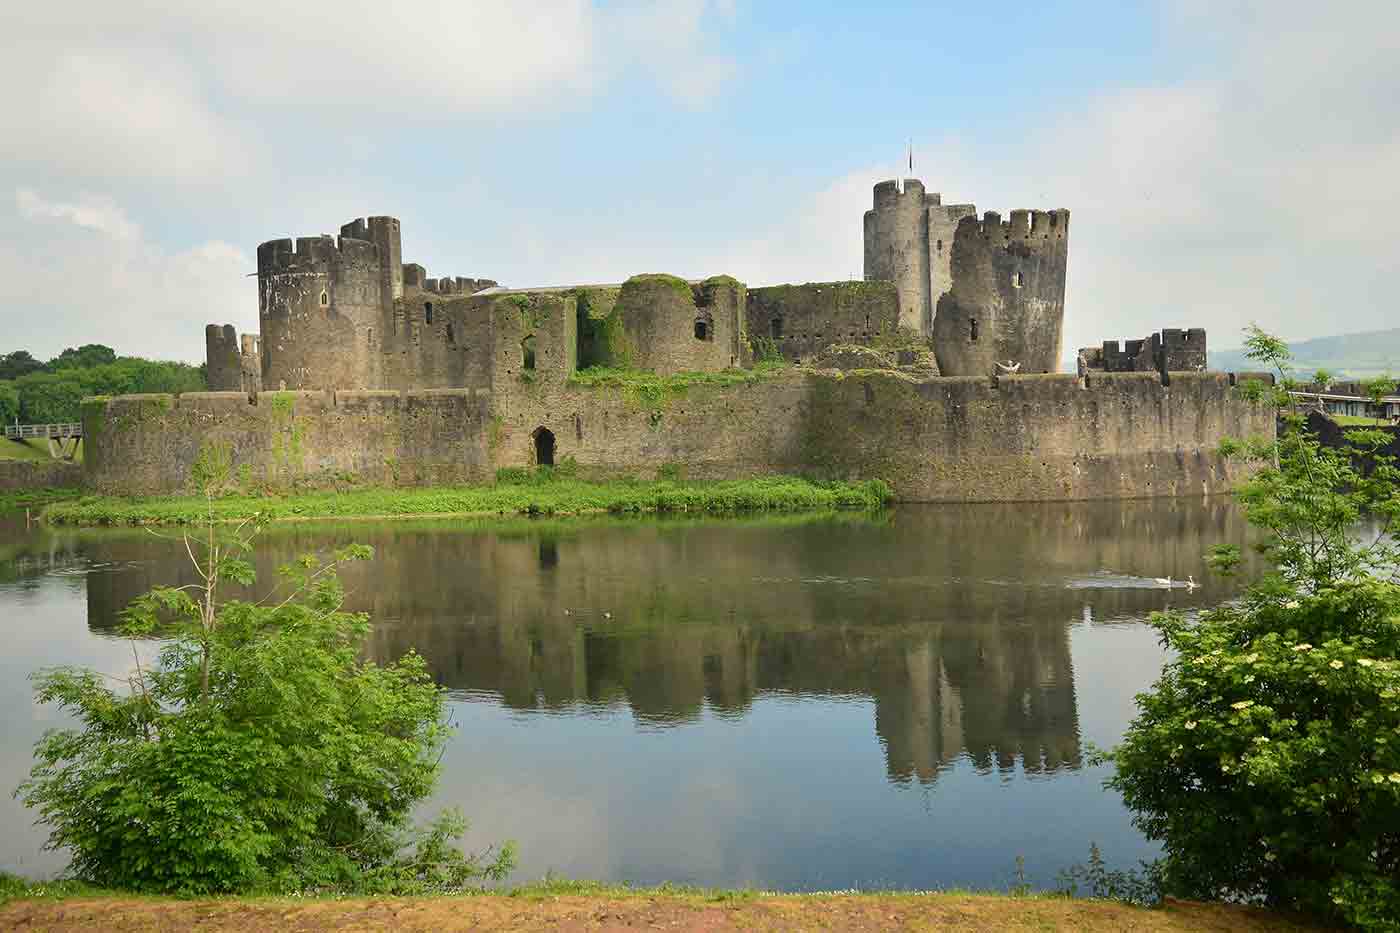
[
  {"x": 519, "y": 495},
  {"x": 28, "y": 498},
  {"x": 582, "y": 906}
]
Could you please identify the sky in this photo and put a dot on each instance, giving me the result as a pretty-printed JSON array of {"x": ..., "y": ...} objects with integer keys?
[{"x": 1224, "y": 162}]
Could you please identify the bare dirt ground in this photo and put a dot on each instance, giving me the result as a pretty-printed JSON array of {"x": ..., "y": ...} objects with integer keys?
[{"x": 633, "y": 912}]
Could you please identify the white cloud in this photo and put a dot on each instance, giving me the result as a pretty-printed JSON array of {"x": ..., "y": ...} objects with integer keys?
[
  {"x": 76, "y": 271},
  {"x": 100, "y": 214},
  {"x": 1258, "y": 189}
]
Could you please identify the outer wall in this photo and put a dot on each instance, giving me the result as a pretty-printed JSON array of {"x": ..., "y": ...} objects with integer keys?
[{"x": 957, "y": 440}]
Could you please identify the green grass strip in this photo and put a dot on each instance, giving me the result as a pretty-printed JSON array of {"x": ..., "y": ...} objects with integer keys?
[{"x": 529, "y": 497}]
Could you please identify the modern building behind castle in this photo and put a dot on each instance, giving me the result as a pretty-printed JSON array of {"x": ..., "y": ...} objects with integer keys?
[{"x": 347, "y": 313}]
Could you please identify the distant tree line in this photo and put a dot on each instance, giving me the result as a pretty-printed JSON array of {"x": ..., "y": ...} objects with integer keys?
[{"x": 35, "y": 392}]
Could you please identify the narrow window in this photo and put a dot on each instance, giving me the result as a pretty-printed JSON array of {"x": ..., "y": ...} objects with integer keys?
[
  {"x": 369, "y": 336},
  {"x": 974, "y": 330},
  {"x": 940, "y": 246},
  {"x": 451, "y": 335},
  {"x": 1018, "y": 280},
  {"x": 777, "y": 328},
  {"x": 702, "y": 330},
  {"x": 527, "y": 352},
  {"x": 427, "y": 312},
  {"x": 325, "y": 298}
]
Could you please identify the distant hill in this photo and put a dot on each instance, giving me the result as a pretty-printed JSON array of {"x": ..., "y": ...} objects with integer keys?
[{"x": 1371, "y": 353}]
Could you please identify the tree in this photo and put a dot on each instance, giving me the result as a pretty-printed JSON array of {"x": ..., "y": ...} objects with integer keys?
[
  {"x": 1376, "y": 390},
  {"x": 84, "y": 357},
  {"x": 259, "y": 752},
  {"x": 1266, "y": 758},
  {"x": 19, "y": 363},
  {"x": 9, "y": 403}
]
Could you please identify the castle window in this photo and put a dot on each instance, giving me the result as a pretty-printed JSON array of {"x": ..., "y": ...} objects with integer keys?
[
  {"x": 777, "y": 328},
  {"x": 1018, "y": 280},
  {"x": 974, "y": 330},
  {"x": 451, "y": 335},
  {"x": 427, "y": 312},
  {"x": 325, "y": 298},
  {"x": 702, "y": 330},
  {"x": 527, "y": 353},
  {"x": 940, "y": 246},
  {"x": 369, "y": 336}
]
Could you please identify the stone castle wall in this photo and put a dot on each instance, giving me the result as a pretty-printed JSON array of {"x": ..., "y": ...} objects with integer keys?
[
  {"x": 803, "y": 320},
  {"x": 1024, "y": 438}
]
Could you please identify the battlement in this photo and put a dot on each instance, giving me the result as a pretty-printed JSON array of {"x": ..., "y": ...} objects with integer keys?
[
  {"x": 1024, "y": 225},
  {"x": 891, "y": 192},
  {"x": 360, "y": 242},
  {"x": 1173, "y": 350}
]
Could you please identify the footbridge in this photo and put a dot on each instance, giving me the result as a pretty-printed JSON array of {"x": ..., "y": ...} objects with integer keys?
[{"x": 62, "y": 438}]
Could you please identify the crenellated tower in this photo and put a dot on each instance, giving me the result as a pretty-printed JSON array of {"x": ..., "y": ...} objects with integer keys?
[
  {"x": 322, "y": 304},
  {"x": 984, "y": 290},
  {"x": 896, "y": 248},
  {"x": 1006, "y": 303}
]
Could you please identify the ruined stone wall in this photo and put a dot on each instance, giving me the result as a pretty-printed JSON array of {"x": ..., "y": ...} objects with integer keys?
[
  {"x": 223, "y": 361},
  {"x": 138, "y": 444},
  {"x": 940, "y": 439},
  {"x": 40, "y": 474},
  {"x": 671, "y": 326},
  {"x": 1007, "y": 300},
  {"x": 803, "y": 320},
  {"x": 1171, "y": 350}
]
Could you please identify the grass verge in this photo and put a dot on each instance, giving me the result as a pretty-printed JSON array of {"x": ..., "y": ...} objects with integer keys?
[
  {"x": 22, "y": 498},
  {"x": 65, "y": 906},
  {"x": 529, "y": 497}
]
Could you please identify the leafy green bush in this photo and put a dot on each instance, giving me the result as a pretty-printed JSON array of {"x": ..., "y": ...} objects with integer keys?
[
  {"x": 1266, "y": 758},
  {"x": 258, "y": 753}
]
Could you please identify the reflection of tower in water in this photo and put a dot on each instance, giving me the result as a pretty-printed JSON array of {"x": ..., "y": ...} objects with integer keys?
[{"x": 938, "y": 619}]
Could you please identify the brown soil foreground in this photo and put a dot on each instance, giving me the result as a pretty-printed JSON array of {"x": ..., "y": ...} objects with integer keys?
[{"x": 636, "y": 912}]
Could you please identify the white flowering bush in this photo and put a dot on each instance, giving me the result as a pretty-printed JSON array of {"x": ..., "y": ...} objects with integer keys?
[{"x": 1266, "y": 759}]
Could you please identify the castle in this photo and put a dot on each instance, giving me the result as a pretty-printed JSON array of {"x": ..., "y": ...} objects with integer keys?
[
  {"x": 347, "y": 313},
  {"x": 936, "y": 372}
]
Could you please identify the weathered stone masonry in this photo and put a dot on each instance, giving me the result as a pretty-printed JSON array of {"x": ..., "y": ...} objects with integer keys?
[{"x": 941, "y": 439}]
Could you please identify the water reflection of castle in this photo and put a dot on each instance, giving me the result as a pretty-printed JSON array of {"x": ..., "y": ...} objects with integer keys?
[{"x": 954, "y": 621}]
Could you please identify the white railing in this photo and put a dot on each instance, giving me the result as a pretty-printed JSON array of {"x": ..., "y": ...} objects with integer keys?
[{"x": 24, "y": 431}]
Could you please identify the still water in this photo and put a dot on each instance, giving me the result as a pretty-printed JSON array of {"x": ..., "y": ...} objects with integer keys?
[{"x": 829, "y": 702}]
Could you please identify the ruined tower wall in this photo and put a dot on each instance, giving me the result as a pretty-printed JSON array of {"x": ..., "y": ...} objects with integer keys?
[
  {"x": 896, "y": 248},
  {"x": 223, "y": 362},
  {"x": 803, "y": 320},
  {"x": 943, "y": 220},
  {"x": 1007, "y": 299},
  {"x": 661, "y": 324},
  {"x": 251, "y": 363}
]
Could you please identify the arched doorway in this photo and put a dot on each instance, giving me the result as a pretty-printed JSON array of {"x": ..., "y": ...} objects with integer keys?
[{"x": 544, "y": 447}]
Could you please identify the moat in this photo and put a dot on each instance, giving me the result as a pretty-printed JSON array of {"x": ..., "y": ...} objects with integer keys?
[{"x": 802, "y": 703}]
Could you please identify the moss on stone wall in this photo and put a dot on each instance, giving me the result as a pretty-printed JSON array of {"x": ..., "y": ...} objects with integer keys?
[
  {"x": 675, "y": 282},
  {"x": 602, "y": 339},
  {"x": 651, "y": 392}
]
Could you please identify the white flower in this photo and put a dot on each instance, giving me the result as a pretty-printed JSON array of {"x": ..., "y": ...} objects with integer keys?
[
  {"x": 1252, "y": 658},
  {"x": 1336, "y": 665},
  {"x": 1190, "y": 724},
  {"x": 1303, "y": 646},
  {"x": 1393, "y": 777},
  {"x": 1365, "y": 662},
  {"x": 1269, "y": 856},
  {"x": 1261, "y": 740},
  {"x": 1242, "y": 704},
  {"x": 1291, "y": 604}
]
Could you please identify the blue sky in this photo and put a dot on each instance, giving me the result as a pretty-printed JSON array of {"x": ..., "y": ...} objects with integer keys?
[{"x": 1223, "y": 161}]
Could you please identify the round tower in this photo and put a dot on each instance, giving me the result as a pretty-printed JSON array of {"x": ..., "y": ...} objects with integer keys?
[
  {"x": 896, "y": 248},
  {"x": 324, "y": 304}
]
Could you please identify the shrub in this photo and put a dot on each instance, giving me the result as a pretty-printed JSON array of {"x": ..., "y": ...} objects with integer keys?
[
  {"x": 1266, "y": 758},
  {"x": 258, "y": 753}
]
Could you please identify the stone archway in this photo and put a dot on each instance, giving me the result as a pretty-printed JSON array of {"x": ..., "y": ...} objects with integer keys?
[{"x": 544, "y": 446}]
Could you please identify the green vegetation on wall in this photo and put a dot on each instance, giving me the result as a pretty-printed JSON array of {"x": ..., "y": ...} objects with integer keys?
[{"x": 601, "y": 338}]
